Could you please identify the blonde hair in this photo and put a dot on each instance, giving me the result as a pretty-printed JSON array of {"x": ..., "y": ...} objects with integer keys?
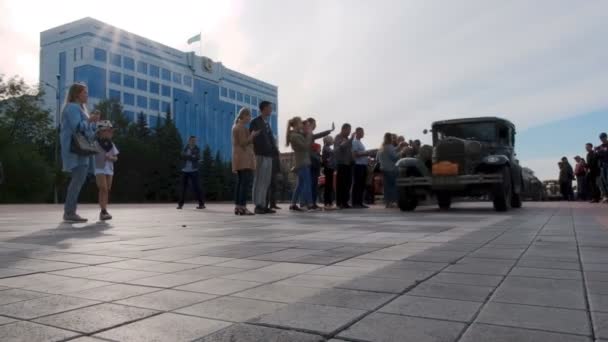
[
  {"x": 291, "y": 125},
  {"x": 72, "y": 95},
  {"x": 242, "y": 113},
  {"x": 328, "y": 140}
]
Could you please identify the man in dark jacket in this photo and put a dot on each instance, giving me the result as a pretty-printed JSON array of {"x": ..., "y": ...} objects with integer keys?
[
  {"x": 271, "y": 200},
  {"x": 602, "y": 156},
  {"x": 264, "y": 147},
  {"x": 190, "y": 156},
  {"x": 593, "y": 173}
]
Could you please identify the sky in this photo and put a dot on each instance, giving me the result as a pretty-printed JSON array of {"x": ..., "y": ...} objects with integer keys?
[{"x": 386, "y": 65}]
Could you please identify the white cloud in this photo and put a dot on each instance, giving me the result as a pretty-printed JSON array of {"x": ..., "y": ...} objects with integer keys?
[{"x": 385, "y": 65}]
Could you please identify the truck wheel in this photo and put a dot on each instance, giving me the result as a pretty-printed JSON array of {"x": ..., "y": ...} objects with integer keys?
[
  {"x": 502, "y": 192},
  {"x": 516, "y": 201},
  {"x": 407, "y": 200},
  {"x": 444, "y": 201}
]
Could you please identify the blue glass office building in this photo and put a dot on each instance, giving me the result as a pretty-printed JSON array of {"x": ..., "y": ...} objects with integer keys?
[{"x": 150, "y": 78}]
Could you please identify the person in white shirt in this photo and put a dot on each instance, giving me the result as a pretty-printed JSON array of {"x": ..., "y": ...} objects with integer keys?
[
  {"x": 104, "y": 166},
  {"x": 361, "y": 157}
]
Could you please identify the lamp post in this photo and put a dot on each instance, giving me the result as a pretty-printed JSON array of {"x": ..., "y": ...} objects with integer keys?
[{"x": 57, "y": 116}]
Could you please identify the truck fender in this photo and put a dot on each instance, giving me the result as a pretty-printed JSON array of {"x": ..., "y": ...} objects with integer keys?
[{"x": 413, "y": 164}]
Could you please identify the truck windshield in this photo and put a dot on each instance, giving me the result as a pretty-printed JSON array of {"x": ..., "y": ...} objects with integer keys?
[{"x": 482, "y": 131}]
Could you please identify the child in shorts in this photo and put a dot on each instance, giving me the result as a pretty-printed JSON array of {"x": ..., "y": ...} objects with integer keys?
[{"x": 104, "y": 166}]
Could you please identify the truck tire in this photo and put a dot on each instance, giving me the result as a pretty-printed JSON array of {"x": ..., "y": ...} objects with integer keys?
[
  {"x": 501, "y": 194},
  {"x": 444, "y": 200},
  {"x": 407, "y": 200}
]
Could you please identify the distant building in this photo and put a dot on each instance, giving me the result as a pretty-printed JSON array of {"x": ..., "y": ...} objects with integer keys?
[{"x": 150, "y": 78}]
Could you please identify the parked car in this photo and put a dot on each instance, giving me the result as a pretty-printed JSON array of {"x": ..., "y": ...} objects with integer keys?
[
  {"x": 552, "y": 190},
  {"x": 472, "y": 157}
]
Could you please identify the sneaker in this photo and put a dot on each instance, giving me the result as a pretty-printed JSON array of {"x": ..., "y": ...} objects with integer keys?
[
  {"x": 74, "y": 218},
  {"x": 270, "y": 211},
  {"x": 295, "y": 208},
  {"x": 275, "y": 207},
  {"x": 260, "y": 211},
  {"x": 202, "y": 206},
  {"x": 179, "y": 207},
  {"x": 314, "y": 208},
  {"x": 104, "y": 216}
]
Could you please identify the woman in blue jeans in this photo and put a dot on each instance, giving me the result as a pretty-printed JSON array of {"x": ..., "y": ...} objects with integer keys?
[
  {"x": 387, "y": 157},
  {"x": 75, "y": 118},
  {"x": 243, "y": 160},
  {"x": 300, "y": 139}
]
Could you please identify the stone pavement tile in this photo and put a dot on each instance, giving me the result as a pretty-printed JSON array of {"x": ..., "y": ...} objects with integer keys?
[
  {"x": 11, "y": 272},
  {"x": 480, "y": 267},
  {"x": 168, "y": 267},
  {"x": 279, "y": 293},
  {"x": 166, "y": 300},
  {"x": 18, "y": 295},
  {"x": 204, "y": 260},
  {"x": 596, "y": 276},
  {"x": 67, "y": 285},
  {"x": 498, "y": 253},
  {"x": 313, "y": 318},
  {"x": 596, "y": 267},
  {"x": 362, "y": 300},
  {"x": 312, "y": 280},
  {"x": 466, "y": 279},
  {"x": 94, "y": 318},
  {"x": 437, "y": 256},
  {"x": 167, "y": 280},
  {"x": 86, "y": 259},
  {"x": 44, "y": 306},
  {"x": 290, "y": 268},
  {"x": 113, "y": 292},
  {"x": 372, "y": 264},
  {"x": 120, "y": 276},
  {"x": 245, "y": 264},
  {"x": 446, "y": 309},
  {"x": 131, "y": 264},
  {"x": 492, "y": 333},
  {"x": 30, "y": 332},
  {"x": 285, "y": 255},
  {"x": 232, "y": 309},
  {"x": 600, "y": 324},
  {"x": 536, "y": 317},
  {"x": 42, "y": 265},
  {"x": 28, "y": 280},
  {"x": 544, "y": 292},
  {"x": 597, "y": 287},
  {"x": 546, "y": 273},
  {"x": 219, "y": 286},
  {"x": 258, "y": 276},
  {"x": 379, "y": 327},
  {"x": 342, "y": 271},
  {"x": 84, "y": 272},
  {"x": 598, "y": 302},
  {"x": 164, "y": 327},
  {"x": 418, "y": 265},
  {"x": 401, "y": 273},
  {"x": 452, "y": 291},
  {"x": 254, "y": 333},
  {"x": 206, "y": 272},
  {"x": 87, "y": 339},
  {"x": 6, "y": 320},
  {"x": 388, "y": 285},
  {"x": 549, "y": 264}
]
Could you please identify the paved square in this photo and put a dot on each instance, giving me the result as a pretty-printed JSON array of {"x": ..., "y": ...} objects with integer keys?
[{"x": 156, "y": 274}]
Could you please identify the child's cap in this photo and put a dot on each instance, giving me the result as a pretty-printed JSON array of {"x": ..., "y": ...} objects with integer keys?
[{"x": 104, "y": 125}]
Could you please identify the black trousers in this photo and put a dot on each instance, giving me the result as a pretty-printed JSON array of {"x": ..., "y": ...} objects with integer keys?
[
  {"x": 271, "y": 198},
  {"x": 315, "y": 172},
  {"x": 344, "y": 180},
  {"x": 594, "y": 190},
  {"x": 196, "y": 187},
  {"x": 359, "y": 181},
  {"x": 566, "y": 190},
  {"x": 328, "y": 190}
]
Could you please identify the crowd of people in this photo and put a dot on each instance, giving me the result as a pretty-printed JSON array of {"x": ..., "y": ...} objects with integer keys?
[{"x": 590, "y": 173}]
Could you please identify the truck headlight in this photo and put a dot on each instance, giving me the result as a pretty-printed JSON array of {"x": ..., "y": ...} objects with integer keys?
[{"x": 493, "y": 159}]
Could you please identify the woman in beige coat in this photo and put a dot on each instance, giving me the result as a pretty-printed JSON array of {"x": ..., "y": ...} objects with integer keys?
[{"x": 243, "y": 160}]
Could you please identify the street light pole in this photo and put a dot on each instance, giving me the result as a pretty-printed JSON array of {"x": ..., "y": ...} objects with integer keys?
[{"x": 57, "y": 136}]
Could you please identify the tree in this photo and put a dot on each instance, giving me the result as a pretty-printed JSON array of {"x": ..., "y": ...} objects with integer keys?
[
  {"x": 169, "y": 147},
  {"x": 111, "y": 109}
]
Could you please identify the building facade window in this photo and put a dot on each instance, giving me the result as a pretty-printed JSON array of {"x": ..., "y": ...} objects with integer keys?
[
  {"x": 128, "y": 81},
  {"x": 114, "y": 95},
  {"x": 247, "y": 99},
  {"x": 177, "y": 78},
  {"x": 239, "y": 96},
  {"x": 142, "y": 102},
  {"x": 224, "y": 92},
  {"x": 129, "y": 115},
  {"x": 115, "y": 77},
  {"x": 142, "y": 68},
  {"x": 254, "y": 100},
  {"x": 154, "y": 88},
  {"x": 74, "y": 54},
  {"x": 166, "y": 108},
  {"x": 128, "y": 63},
  {"x": 154, "y": 71},
  {"x": 116, "y": 60},
  {"x": 81, "y": 52},
  {"x": 188, "y": 81},
  {"x": 142, "y": 84},
  {"x": 232, "y": 94},
  {"x": 100, "y": 55},
  {"x": 154, "y": 104},
  {"x": 128, "y": 99},
  {"x": 166, "y": 91},
  {"x": 166, "y": 74}
]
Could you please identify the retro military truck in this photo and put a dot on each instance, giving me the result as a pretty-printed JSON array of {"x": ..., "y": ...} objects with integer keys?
[{"x": 471, "y": 157}]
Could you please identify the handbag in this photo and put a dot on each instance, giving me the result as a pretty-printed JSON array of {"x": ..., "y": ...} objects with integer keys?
[{"x": 83, "y": 146}]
